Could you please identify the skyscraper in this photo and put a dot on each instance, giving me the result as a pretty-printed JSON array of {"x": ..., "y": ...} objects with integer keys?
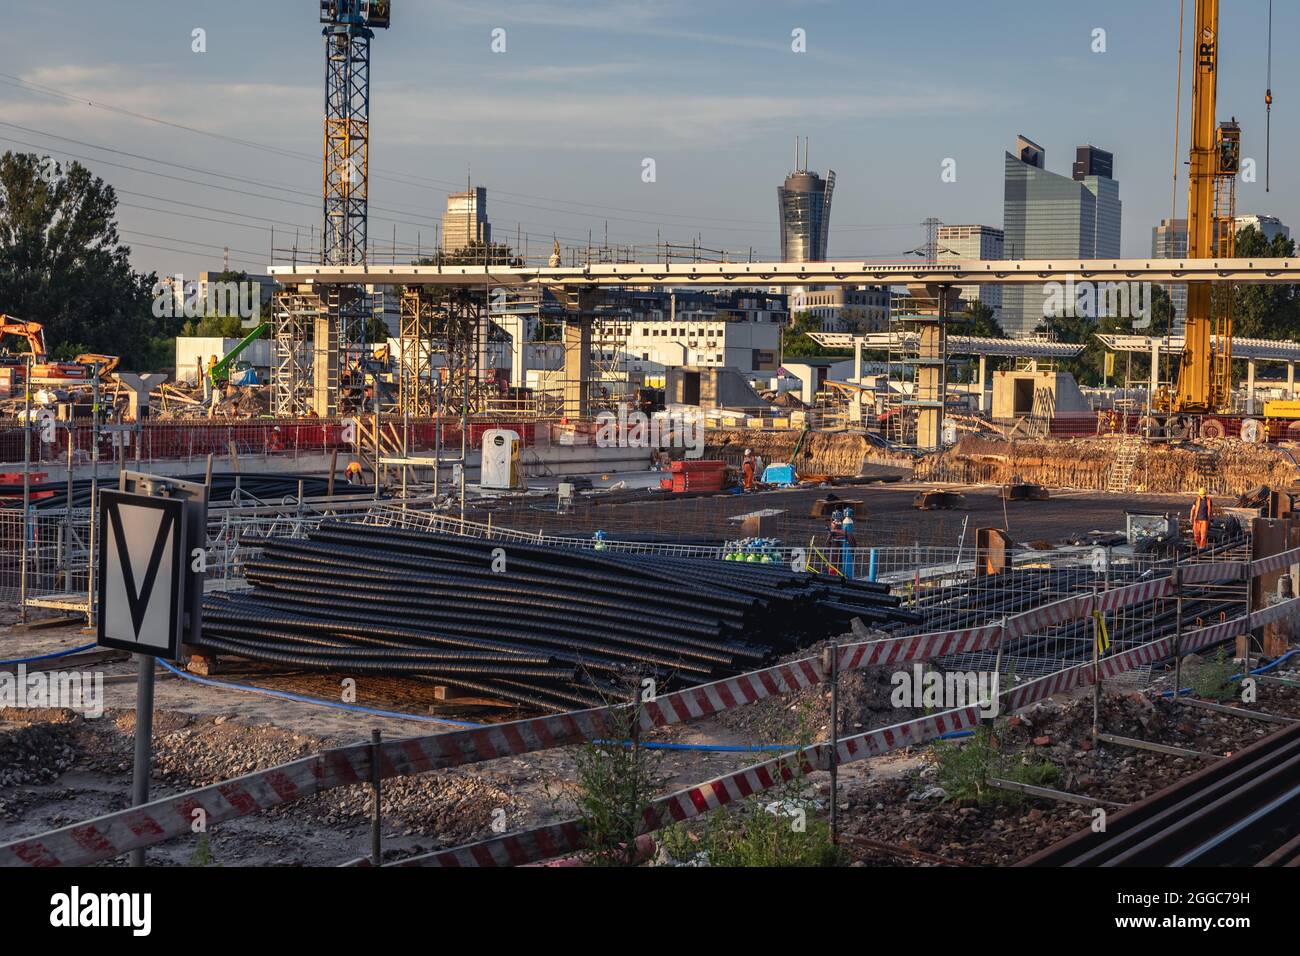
[
  {"x": 973, "y": 242},
  {"x": 1049, "y": 216},
  {"x": 465, "y": 220},
  {"x": 1169, "y": 241},
  {"x": 804, "y": 206}
]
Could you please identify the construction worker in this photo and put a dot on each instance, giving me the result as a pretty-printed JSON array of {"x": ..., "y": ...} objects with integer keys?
[
  {"x": 747, "y": 467},
  {"x": 353, "y": 473},
  {"x": 1202, "y": 512}
]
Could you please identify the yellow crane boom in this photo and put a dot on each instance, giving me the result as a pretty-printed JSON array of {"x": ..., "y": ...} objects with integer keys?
[{"x": 1205, "y": 372}]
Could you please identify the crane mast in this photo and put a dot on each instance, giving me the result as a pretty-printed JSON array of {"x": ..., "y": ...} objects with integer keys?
[{"x": 1205, "y": 372}]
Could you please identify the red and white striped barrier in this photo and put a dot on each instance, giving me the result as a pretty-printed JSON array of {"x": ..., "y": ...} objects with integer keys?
[
  {"x": 918, "y": 647},
  {"x": 1130, "y": 594},
  {"x": 1275, "y": 562},
  {"x": 1058, "y": 612},
  {"x": 530, "y": 846},
  {"x": 510, "y": 849},
  {"x": 114, "y": 834},
  {"x": 1276, "y": 612},
  {"x": 1210, "y": 572},
  {"x": 732, "y": 692}
]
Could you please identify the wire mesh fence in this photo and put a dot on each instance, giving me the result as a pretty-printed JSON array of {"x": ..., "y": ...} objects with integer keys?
[{"x": 47, "y": 561}]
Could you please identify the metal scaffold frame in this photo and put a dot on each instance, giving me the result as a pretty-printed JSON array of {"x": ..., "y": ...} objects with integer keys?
[
  {"x": 294, "y": 316},
  {"x": 415, "y": 389},
  {"x": 918, "y": 368}
]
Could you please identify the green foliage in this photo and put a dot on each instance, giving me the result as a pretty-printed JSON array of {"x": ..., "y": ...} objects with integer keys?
[
  {"x": 1213, "y": 679},
  {"x": 62, "y": 263},
  {"x": 965, "y": 768},
  {"x": 1089, "y": 367},
  {"x": 1265, "y": 311},
  {"x": 796, "y": 343},
  {"x": 202, "y": 855},
  {"x": 214, "y": 326},
  {"x": 751, "y": 836},
  {"x": 475, "y": 254},
  {"x": 616, "y": 784},
  {"x": 978, "y": 320}
]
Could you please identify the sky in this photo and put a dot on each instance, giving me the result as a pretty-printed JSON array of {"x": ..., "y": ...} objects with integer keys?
[{"x": 218, "y": 148}]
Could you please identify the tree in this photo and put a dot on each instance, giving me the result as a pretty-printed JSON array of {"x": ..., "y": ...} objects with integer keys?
[
  {"x": 978, "y": 321},
  {"x": 796, "y": 341},
  {"x": 1265, "y": 311},
  {"x": 477, "y": 253},
  {"x": 1089, "y": 367},
  {"x": 62, "y": 264}
]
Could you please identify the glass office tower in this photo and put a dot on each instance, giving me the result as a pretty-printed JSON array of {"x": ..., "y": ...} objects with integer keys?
[
  {"x": 804, "y": 205},
  {"x": 1049, "y": 216}
]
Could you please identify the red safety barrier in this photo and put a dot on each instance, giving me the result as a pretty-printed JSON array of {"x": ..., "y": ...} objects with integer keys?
[{"x": 114, "y": 834}]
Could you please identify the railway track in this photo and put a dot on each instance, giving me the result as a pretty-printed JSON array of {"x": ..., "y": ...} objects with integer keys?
[{"x": 1243, "y": 810}]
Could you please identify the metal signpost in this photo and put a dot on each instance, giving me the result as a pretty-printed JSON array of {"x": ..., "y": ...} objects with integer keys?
[{"x": 150, "y": 588}]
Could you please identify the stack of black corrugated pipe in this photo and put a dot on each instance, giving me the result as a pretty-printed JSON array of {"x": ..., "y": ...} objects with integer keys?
[{"x": 553, "y": 629}]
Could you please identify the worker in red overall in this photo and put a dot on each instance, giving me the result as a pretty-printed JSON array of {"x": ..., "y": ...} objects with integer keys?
[
  {"x": 747, "y": 470},
  {"x": 1202, "y": 512}
]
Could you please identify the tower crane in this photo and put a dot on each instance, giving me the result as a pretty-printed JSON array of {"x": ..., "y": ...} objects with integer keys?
[{"x": 349, "y": 28}]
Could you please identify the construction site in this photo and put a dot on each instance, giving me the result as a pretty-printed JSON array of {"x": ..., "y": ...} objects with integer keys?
[{"x": 487, "y": 590}]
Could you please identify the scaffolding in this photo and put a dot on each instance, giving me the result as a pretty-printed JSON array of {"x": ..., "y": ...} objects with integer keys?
[
  {"x": 415, "y": 375},
  {"x": 294, "y": 318},
  {"x": 918, "y": 366}
]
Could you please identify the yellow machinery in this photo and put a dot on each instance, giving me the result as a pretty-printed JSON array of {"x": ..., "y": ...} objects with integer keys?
[{"x": 1205, "y": 372}]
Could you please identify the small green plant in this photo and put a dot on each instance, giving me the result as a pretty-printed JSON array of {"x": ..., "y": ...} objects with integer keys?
[
  {"x": 617, "y": 782},
  {"x": 964, "y": 769},
  {"x": 964, "y": 766},
  {"x": 788, "y": 834},
  {"x": 751, "y": 835},
  {"x": 1213, "y": 679},
  {"x": 202, "y": 855}
]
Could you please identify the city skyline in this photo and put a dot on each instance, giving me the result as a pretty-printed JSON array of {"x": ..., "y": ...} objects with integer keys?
[{"x": 713, "y": 97}]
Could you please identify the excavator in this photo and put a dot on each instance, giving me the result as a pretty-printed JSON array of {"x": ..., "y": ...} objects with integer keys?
[
  {"x": 1204, "y": 384},
  {"x": 44, "y": 371}
]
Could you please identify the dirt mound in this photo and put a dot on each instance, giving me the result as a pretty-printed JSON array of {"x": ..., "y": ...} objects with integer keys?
[{"x": 1225, "y": 467}]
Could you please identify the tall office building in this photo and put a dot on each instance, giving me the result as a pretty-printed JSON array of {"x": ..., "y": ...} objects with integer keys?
[
  {"x": 968, "y": 243},
  {"x": 465, "y": 220},
  {"x": 1169, "y": 241},
  {"x": 1270, "y": 226},
  {"x": 1049, "y": 216},
  {"x": 804, "y": 206}
]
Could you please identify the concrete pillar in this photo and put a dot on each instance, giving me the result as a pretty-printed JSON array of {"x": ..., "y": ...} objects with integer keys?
[
  {"x": 984, "y": 383},
  {"x": 1290, "y": 380},
  {"x": 857, "y": 360},
  {"x": 577, "y": 366},
  {"x": 1250, "y": 387}
]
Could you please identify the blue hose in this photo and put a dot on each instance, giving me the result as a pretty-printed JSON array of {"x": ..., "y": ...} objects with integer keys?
[
  {"x": 47, "y": 657},
  {"x": 1258, "y": 670}
]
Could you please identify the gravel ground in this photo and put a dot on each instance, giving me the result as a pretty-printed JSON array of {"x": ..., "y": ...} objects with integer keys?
[
  {"x": 57, "y": 768},
  {"x": 911, "y": 811}
]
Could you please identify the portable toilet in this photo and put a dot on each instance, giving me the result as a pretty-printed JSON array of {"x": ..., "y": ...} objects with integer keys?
[{"x": 500, "y": 469}]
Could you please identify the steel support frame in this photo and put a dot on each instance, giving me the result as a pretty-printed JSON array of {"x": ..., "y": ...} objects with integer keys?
[
  {"x": 347, "y": 146},
  {"x": 294, "y": 318},
  {"x": 415, "y": 388}
]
